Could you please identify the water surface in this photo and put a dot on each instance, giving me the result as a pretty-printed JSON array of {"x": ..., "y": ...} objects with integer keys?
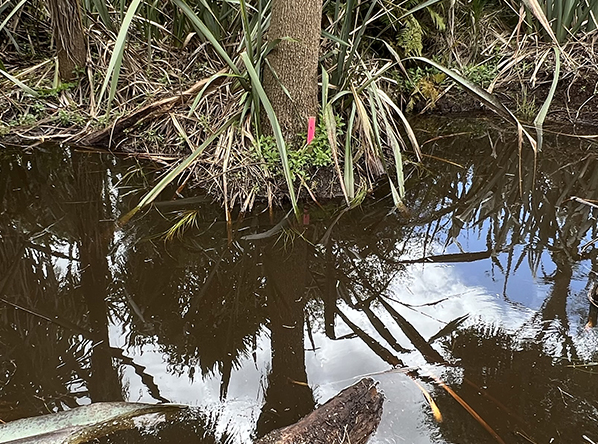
[{"x": 491, "y": 263}]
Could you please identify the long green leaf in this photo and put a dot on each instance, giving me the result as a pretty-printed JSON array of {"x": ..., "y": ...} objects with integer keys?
[
  {"x": 246, "y": 30},
  {"x": 102, "y": 9},
  {"x": 344, "y": 37},
  {"x": 20, "y": 84},
  {"x": 113, "y": 72},
  {"x": 536, "y": 9},
  {"x": 325, "y": 83},
  {"x": 356, "y": 41},
  {"x": 393, "y": 140},
  {"x": 539, "y": 120},
  {"x": 349, "y": 174},
  {"x": 12, "y": 13},
  {"x": 282, "y": 149},
  {"x": 330, "y": 122},
  {"x": 489, "y": 100},
  {"x": 204, "y": 30}
]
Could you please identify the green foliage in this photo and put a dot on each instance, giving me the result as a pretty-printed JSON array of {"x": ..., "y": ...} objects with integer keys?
[
  {"x": 567, "y": 18},
  {"x": 54, "y": 92},
  {"x": 26, "y": 119},
  {"x": 420, "y": 81},
  {"x": 482, "y": 75},
  {"x": 527, "y": 109},
  {"x": 410, "y": 37},
  {"x": 68, "y": 118},
  {"x": 301, "y": 162}
]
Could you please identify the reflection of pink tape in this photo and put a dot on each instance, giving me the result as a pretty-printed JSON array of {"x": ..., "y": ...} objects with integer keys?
[{"x": 311, "y": 129}]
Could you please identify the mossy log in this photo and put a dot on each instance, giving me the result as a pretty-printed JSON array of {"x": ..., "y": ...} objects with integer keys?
[{"x": 350, "y": 417}]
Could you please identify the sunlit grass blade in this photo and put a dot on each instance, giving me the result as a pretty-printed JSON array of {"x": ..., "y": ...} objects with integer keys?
[
  {"x": 330, "y": 122},
  {"x": 405, "y": 122},
  {"x": 205, "y": 31},
  {"x": 349, "y": 173},
  {"x": 276, "y": 129},
  {"x": 185, "y": 222},
  {"x": 20, "y": 84},
  {"x": 539, "y": 120},
  {"x": 431, "y": 402},
  {"x": 113, "y": 72},
  {"x": 395, "y": 194},
  {"x": 393, "y": 139},
  {"x": 325, "y": 83},
  {"x": 12, "y": 13},
  {"x": 469, "y": 409},
  {"x": 364, "y": 120}
]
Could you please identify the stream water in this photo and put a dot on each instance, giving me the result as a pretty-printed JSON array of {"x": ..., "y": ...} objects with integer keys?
[{"x": 490, "y": 266}]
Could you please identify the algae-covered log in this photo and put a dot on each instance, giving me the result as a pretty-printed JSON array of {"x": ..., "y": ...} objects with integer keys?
[{"x": 78, "y": 425}]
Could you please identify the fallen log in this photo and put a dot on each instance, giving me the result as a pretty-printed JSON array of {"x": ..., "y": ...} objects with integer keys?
[
  {"x": 105, "y": 136},
  {"x": 348, "y": 418}
]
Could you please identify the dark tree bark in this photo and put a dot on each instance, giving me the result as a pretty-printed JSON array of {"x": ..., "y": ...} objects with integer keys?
[
  {"x": 295, "y": 63},
  {"x": 348, "y": 418},
  {"x": 71, "y": 46}
]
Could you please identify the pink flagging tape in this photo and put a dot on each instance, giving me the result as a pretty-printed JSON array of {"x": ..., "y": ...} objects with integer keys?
[{"x": 311, "y": 129}]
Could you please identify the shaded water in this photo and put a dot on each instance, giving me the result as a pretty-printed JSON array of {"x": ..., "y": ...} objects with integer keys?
[{"x": 254, "y": 333}]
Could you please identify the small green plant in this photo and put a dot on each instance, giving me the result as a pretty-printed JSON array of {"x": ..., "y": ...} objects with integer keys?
[
  {"x": 69, "y": 118},
  {"x": 526, "y": 107},
  {"x": 153, "y": 136},
  {"x": 26, "y": 119},
  {"x": 316, "y": 154},
  {"x": 481, "y": 75},
  {"x": 53, "y": 92},
  {"x": 410, "y": 37},
  {"x": 424, "y": 82}
]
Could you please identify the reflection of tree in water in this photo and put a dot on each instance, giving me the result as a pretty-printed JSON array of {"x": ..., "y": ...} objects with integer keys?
[
  {"x": 56, "y": 233},
  {"x": 41, "y": 352},
  {"x": 522, "y": 377},
  {"x": 223, "y": 294},
  {"x": 203, "y": 302}
]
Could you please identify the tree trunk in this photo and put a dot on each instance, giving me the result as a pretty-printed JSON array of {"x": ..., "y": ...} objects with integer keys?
[
  {"x": 71, "y": 46},
  {"x": 294, "y": 64}
]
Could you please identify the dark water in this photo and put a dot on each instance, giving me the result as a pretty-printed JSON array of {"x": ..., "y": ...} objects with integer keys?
[{"x": 494, "y": 266}]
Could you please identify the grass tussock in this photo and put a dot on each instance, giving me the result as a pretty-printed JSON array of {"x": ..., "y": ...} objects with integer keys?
[{"x": 182, "y": 81}]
